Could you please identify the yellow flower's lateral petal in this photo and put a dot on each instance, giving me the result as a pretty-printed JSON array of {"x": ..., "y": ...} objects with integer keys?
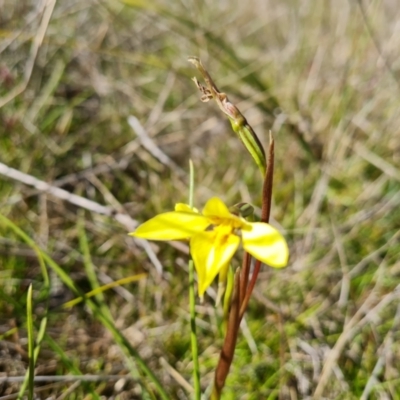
[
  {"x": 185, "y": 208},
  {"x": 266, "y": 244},
  {"x": 211, "y": 253},
  {"x": 172, "y": 226},
  {"x": 216, "y": 208}
]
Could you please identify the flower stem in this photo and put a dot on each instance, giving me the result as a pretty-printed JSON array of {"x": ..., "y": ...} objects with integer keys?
[
  {"x": 244, "y": 280},
  {"x": 192, "y": 305},
  {"x": 193, "y": 336},
  {"x": 265, "y": 214},
  {"x": 228, "y": 349},
  {"x": 268, "y": 182}
]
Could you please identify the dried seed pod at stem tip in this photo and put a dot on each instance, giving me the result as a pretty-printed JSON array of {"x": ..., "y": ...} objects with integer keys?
[{"x": 238, "y": 122}]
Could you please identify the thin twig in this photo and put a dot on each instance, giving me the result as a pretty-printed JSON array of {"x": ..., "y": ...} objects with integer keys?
[
  {"x": 176, "y": 375},
  {"x": 67, "y": 196},
  {"x": 376, "y": 161},
  {"x": 82, "y": 202},
  {"x": 66, "y": 378},
  {"x": 102, "y": 168},
  {"x": 149, "y": 144},
  {"x": 70, "y": 390}
]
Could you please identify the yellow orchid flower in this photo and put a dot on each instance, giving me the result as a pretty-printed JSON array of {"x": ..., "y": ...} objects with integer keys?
[{"x": 215, "y": 235}]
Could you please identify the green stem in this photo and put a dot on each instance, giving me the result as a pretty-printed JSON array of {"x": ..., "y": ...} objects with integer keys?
[
  {"x": 192, "y": 305},
  {"x": 193, "y": 335}
]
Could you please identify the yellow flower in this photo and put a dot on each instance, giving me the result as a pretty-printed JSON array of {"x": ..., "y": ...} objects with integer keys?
[{"x": 214, "y": 237}]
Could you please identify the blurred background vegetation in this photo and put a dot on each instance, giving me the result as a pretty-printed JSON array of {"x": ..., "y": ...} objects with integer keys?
[{"x": 322, "y": 75}]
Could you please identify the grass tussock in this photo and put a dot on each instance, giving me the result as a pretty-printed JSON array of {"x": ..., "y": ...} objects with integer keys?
[{"x": 322, "y": 76}]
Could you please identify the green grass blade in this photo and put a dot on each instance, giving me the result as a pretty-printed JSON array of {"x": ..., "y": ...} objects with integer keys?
[
  {"x": 118, "y": 337},
  {"x": 87, "y": 259},
  {"x": 31, "y": 344},
  {"x": 33, "y": 351},
  {"x": 28, "y": 383},
  {"x": 119, "y": 282},
  {"x": 65, "y": 359}
]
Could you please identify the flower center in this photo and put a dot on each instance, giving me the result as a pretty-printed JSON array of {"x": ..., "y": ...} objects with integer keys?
[{"x": 225, "y": 228}]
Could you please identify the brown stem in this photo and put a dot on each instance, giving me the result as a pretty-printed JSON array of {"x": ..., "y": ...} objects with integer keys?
[
  {"x": 265, "y": 214},
  {"x": 244, "y": 275},
  {"x": 228, "y": 349},
  {"x": 268, "y": 182},
  {"x": 242, "y": 290}
]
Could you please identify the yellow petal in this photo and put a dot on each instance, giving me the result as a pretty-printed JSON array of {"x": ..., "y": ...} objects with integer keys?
[
  {"x": 266, "y": 244},
  {"x": 216, "y": 208},
  {"x": 172, "y": 225},
  {"x": 211, "y": 253},
  {"x": 217, "y": 212},
  {"x": 185, "y": 208}
]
